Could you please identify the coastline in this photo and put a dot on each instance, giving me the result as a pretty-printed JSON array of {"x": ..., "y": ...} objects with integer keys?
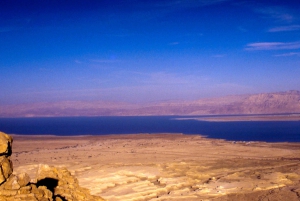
[
  {"x": 269, "y": 131},
  {"x": 166, "y": 166},
  {"x": 262, "y": 117}
]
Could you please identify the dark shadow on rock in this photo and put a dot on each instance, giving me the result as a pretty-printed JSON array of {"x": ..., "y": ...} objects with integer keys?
[
  {"x": 9, "y": 151},
  {"x": 50, "y": 183}
]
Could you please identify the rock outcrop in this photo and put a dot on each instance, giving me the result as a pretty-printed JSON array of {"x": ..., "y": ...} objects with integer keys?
[
  {"x": 50, "y": 184},
  {"x": 6, "y": 167}
]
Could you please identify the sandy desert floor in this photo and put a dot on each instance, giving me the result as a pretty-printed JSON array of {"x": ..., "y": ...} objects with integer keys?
[{"x": 168, "y": 166}]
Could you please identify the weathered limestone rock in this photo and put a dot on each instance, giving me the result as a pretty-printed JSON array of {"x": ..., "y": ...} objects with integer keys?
[
  {"x": 53, "y": 184},
  {"x": 6, "y": 167},
  {"x": 5, "y": 144},
  {"x": 23, "y": 179},
  {"x": 64, "y": 185}
]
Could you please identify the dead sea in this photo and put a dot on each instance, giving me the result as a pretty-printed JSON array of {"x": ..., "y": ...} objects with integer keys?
[{"x": 234, "y": 128}]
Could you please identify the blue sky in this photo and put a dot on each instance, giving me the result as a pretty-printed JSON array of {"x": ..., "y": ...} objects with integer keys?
[{"x": 144, "y": 51}]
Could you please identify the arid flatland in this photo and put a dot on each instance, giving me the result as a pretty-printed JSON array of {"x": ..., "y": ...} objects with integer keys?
[{"x": 168, "y": 166}]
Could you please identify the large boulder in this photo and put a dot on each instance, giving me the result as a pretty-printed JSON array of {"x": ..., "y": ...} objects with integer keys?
[
  {"x": 6, "y": 167},
  {"x": 5, "y": 144},
  {"x": 63, "y": 185}
]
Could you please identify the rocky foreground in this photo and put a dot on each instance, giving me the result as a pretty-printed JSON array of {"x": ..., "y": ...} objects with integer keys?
[
  {"x": 49, "y": 184},
  {"x": 166, "y": 166}
]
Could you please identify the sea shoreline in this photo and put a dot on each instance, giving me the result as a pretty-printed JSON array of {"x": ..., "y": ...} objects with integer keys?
[
  {"x": 238, "y": 118},
  {"x": 270, "y": 128}
]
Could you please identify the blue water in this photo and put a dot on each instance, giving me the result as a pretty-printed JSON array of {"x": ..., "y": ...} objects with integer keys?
[{"x": 282, "y": 131}]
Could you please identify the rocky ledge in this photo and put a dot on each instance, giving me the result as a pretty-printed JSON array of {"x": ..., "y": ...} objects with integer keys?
[{"x": 50, "y": 184}]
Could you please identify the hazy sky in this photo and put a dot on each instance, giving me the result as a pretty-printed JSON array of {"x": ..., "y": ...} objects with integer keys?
[{"x": 146, "y": 50}]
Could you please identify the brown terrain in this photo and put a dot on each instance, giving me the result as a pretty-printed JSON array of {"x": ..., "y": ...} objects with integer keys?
[
  {"x": 48, "y": 183},
  {"x": 156, "y": 167},
  {"x": 266, "y": 103},
  {"x": 167, "y": 167}
]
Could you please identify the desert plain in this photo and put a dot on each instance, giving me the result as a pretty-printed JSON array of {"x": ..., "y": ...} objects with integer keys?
[{"x": 167, "y": 166}]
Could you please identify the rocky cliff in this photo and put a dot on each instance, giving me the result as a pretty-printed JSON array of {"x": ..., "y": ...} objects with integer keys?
[{"x": 50, "y": 184}]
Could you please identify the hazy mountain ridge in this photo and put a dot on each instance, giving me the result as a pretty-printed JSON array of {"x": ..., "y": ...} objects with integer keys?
[{"x": 265, "y": 103}]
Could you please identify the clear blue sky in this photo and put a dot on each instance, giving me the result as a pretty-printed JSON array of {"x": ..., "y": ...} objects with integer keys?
[{"x": 151, "y": 50}]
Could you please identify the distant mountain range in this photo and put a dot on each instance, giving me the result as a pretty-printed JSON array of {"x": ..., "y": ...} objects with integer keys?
[{"x": 265, "y": 103}]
